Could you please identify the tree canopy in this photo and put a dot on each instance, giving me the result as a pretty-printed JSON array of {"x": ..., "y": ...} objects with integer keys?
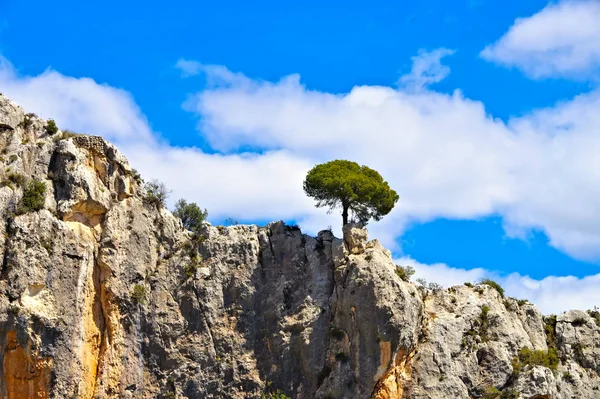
[
  {"x": 358, "y": 190},
  {"x": 190, "y": 214}
]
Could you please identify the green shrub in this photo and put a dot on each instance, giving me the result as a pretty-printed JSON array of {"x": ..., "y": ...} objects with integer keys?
[
  {"x": 12, "y": 158},
  {"x": 26, "y": 122},
  {"x": 278, "y": 394},
  {"x": 139, "y": 294},
  {"x": 17, "y": 178},
  {"x": 494, "y": 285},
  {"x": 156, "y": 193},
  {"x": 491, "y": 393},
  {"x": 550, "y": 330},
  {"x": 509, "y": 305},
  {"x": 136, "y": 176},
  {"x": 470, "y": 285},
  {"x": 479, "y": 328},
  {"x": 405, "y": 272},
  {"x": 528, "y": 357},
  {"x": 522, "y": 302},
  {"x": 595, "y": 314},
  {"x": 33, "y": 197},
  {"x": 191, "y": 215},
  {"x": 509, "y": 394},
  {"x": 578, "y": 348},
  {"x": 51, "y": 127}
]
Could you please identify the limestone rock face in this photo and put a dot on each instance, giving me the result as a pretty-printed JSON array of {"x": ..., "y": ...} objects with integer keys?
[{"x": 105, "y": 295}]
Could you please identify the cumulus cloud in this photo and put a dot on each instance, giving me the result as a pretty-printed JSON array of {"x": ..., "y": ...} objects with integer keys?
[
  {"x": 427, "y": 69},
  {"x": 562, "y": 40},
  {"x": 442, "y": 152},
  {"x": 551, "y": 294},
  {"x": 82, "y": 104}
]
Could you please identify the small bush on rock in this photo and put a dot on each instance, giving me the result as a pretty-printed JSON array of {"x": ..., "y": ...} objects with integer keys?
[
  {"x": 494, "y": 285},
  {"x": 278, "y": 394},
  {"x": 190, "y": 214},
  {"x": 139, "y": 294},
  {"x": 595, "y": 314},
  {"x": 51, "y": 127},
  {"x": 156, "y": 193},
  {"x": 405, "y": 272},
  {"x": 17, "y": 178},
  {"x": 528, "y": 357},
  {"x": 34, "y": 197}
]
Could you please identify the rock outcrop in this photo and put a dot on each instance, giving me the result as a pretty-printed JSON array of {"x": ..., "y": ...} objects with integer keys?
[{"x": 104, "y": 294}]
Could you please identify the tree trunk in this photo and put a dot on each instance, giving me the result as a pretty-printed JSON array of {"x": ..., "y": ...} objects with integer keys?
[{"x": 344, "y": 215}]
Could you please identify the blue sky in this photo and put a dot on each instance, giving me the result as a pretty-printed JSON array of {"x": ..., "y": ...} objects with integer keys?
[{"x": 479, "y": 112}]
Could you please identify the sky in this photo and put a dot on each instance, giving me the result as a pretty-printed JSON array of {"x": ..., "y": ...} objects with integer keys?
[{"x": 481, "y": 114}]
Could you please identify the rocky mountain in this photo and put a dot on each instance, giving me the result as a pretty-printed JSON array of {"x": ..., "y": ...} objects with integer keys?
[{"x": 104, "y": 294}]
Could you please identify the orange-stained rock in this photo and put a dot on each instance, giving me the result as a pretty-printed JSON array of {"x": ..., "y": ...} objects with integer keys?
[{"x": 25, "y": 375}]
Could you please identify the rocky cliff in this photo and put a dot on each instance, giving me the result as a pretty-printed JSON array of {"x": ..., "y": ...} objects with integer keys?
[{"x": 103, "y": 294}]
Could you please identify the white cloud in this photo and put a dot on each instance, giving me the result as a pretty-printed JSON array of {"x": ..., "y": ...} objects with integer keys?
[
  {"x": 551, "y": 294},
  {"x": 444, "y": 155},
  {"x": 427, "y": 69},
  {"x": 82, "y": 104},
  {"x": 188, "y": 68},
  {"x": 563, "y": 39}
]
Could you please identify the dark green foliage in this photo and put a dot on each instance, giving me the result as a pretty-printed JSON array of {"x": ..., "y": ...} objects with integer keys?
[
  {"x": 484, "y": 323},
  {"x": 136, "y": 176},
  {"x": 550, "y": 330},
  {"x": 278, "y": 394},
  {"x": 528, "y": 357},
  {"x": 490, "y": 393},
  {"x": 509, "y": 305},
  {"x": 405, "y": 272},
  {"x": 139, "y": 294},
  {"x": 191, "y": 215},
  {"x": 470, "y": 285},
  {"x": 595, "y": 314},
  {"x": 17, "y": 178},
  {"x": 292, "y": 227},
  {"x": 269, "y": 393},
  {"x": 522, "y": 302},
  {"x": 578, "y": 348},
  {"x": 34, "y": 196},
  {"x": 494, "y": 285},
  {"x": 156, "y": 193},
  {"x": 51, "y": 127},
  {"x": 12, "y": 158},
  {"x": 27, "y": 122},
  {"x": 479, "y": 328},
  {"x": 230, "y": 222},
  {"x": 509, "y": 394},
  {"x": 195, "y": 262},
  {"x": 568, "y": 377},
  {"x": 356, "y": 189}
]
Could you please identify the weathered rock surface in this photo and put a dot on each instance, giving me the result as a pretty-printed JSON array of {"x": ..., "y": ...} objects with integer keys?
[{"x": 105, "y": 295}]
